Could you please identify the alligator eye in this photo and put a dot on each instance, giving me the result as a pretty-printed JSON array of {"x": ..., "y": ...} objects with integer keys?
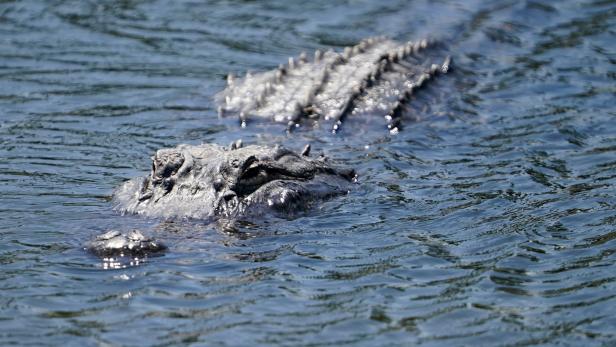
[{"x": 254, "y": 176}]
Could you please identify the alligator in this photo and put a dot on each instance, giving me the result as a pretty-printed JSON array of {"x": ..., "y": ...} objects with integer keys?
[
  {"x": 209, "y": 181},
  {"x": 375, "y": 77}
]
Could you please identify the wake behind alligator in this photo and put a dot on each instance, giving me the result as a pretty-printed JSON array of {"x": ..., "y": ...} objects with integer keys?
[{"x": 376, "y": 77}]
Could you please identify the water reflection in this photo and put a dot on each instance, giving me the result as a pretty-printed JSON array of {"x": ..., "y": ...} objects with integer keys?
[{"x": 121, "y": 262}]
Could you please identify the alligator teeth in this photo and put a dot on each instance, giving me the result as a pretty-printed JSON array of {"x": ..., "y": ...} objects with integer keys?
[
  {"x": 230, "y": 79},
  {"x": 302, "y": 57},
  {"x": 424, "y": 44},
  {"x": 291, "y": 63}
]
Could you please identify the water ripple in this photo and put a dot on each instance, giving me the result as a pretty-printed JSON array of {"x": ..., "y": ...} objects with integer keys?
[{"x": 490, "y": 214}]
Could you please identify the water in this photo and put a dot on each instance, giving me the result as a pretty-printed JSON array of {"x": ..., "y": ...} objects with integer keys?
[{"x": 489, "y": 220}]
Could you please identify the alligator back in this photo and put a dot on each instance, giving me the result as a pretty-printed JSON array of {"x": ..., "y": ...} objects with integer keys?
[{"x": 376, "y": 76}]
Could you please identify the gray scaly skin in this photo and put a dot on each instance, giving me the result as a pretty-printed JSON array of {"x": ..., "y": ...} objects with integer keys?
[
  {"x": 377, "y": 76},
  {"x": 210, "y": 181}
]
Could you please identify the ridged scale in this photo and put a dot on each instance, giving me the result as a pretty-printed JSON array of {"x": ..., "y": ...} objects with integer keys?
[{"x": 377, "y": 76}]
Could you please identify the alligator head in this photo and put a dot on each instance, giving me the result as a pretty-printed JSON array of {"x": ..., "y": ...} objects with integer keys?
[{"x": 207, "y": 181}]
